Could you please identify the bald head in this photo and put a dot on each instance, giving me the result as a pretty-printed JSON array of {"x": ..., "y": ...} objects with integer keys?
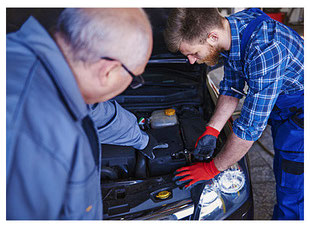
[{"x": 122, "y": 34}]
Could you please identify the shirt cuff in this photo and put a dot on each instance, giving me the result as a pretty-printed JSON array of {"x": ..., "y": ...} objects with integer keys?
[
  {"x": 230, "y": 93},
  {"x": 142, "y": 143},
  {"x": 248, "y": 133}
]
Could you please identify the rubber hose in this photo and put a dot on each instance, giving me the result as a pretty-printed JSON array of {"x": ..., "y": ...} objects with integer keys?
[
  {"x": 140, "y": 171},
  {"x": 109, "y": 172}
]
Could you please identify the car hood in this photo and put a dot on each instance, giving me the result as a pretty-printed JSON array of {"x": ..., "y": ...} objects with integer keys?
[{"x": 158, "y": 18}]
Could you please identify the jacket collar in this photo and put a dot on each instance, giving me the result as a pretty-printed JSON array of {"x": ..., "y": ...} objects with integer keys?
[{"x": 36, "y": 38}]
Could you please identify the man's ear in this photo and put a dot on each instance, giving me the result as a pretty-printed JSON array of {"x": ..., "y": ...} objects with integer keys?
[
  {"x": 105, "y": 69},
  {"x": 213, "y": 39}
]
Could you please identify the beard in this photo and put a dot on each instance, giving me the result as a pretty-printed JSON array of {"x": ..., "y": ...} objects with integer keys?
[{"x": 212, "y": 58}]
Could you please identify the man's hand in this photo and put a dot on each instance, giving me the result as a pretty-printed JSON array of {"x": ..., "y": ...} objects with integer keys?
[
  {"x": 148, "y": 150},
  {"x": 206, "y": 144},
  {"x": 191, "y": 175}
]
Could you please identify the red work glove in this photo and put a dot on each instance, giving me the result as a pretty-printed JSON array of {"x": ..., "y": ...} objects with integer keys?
[
  {"x": 195, "y": 173},
  {"x": 206, "y": 144}
]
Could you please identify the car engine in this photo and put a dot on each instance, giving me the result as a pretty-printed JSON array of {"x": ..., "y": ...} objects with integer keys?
[
  {"x": 131, "y": 183},
  {"x": 176, "y": 135}
]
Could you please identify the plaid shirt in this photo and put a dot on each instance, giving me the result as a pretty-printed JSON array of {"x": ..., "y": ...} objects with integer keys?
[{"x": 274, "y": 65}]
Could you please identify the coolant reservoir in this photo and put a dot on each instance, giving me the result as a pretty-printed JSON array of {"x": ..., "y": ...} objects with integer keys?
[{"x": 163, "y": 118}]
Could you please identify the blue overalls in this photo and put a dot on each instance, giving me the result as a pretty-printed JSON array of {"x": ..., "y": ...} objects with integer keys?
[{"x": 286, "y": 120}]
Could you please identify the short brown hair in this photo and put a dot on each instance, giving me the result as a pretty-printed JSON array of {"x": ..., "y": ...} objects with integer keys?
[{"x": 190, "y": 25}]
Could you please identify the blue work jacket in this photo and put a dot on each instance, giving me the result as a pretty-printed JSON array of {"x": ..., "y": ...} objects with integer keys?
[{"x": 53, "y": 149}]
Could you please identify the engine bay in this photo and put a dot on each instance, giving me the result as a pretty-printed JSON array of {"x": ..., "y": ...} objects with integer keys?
[
  {"x": 175, "y": 138},
  {"x": 131, "y": 182}
]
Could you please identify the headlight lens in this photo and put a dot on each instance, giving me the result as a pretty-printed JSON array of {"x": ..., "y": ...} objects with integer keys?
[
  {"x": 223, "y": 194},
  {"x": 231, "y": 181}
]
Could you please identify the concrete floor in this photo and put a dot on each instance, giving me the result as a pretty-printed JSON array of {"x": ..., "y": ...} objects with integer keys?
[
  {"x": 262, "y": 177},
  {"x": 261, "y": 163}
]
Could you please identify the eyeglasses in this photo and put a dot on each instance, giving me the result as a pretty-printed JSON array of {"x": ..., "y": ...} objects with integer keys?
[{"x": 137, "y": 80}]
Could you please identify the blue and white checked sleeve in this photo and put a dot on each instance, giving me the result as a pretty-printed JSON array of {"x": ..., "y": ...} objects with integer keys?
[
  {"x": 266, "y": 65},
  {"x": 231, "y": 79}
]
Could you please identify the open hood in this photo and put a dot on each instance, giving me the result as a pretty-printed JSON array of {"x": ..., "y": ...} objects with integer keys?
[{"x": 158, "y": 18}]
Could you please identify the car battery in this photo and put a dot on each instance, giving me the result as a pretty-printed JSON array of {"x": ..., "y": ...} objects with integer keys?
[{"x": 192, "y": 127}]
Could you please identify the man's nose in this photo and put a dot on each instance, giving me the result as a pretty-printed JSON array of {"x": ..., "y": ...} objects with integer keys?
[{"x": 191, "y": 59}]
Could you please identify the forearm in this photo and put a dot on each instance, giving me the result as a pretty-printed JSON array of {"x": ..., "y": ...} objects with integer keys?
[
  {"x": 225, "y": 107},
  {"x": 234, "y": 149},
  {"x": 118, "y": 126}
]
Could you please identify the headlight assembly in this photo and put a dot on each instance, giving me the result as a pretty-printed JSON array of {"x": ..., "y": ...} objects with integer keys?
[
  {"x": 231, "y": 181},
  {"x": 223, "y": 194}
]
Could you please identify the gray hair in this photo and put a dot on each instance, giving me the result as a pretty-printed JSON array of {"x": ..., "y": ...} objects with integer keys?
[{"x": 94, "y": 34}]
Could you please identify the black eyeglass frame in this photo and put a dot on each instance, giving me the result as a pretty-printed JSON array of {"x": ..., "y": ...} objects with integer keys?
[{"x": 137, "y": 80}]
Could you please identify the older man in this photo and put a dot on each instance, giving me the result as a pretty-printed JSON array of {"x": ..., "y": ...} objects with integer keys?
[
  {"x": 54, "y": 86},
  {"x": 269, "y": 57}
]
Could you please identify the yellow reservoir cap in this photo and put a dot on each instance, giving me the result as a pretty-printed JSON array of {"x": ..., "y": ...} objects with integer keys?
[
  {"x": 169, "y": 112},
  {"x": 163, "y": 194}
]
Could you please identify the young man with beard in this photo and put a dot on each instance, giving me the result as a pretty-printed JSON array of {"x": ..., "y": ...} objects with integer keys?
[{"x": 269, "y": 57}]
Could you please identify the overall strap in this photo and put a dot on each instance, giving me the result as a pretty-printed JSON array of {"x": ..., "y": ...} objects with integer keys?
[{"x": 250, "y": 29}]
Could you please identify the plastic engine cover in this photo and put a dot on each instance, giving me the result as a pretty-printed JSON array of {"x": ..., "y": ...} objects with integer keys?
[
  {"x": 164, "y": 163},
  {"x": 122, "y": 159}
]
